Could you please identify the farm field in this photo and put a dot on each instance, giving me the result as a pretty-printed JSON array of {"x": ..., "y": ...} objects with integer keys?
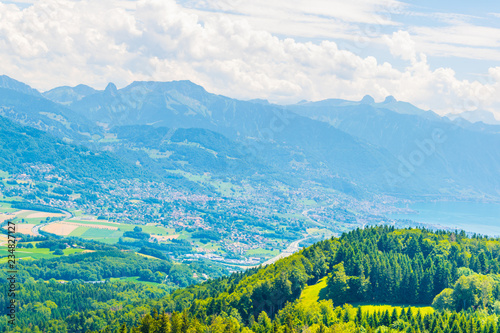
[
  {"x": 24, "y": 228},
  {"x": 30, "y": 254},
  {"x": 60, "y": 228},
  {"x": 104, "y": 231},
  {"x": 25, "y": 219}
]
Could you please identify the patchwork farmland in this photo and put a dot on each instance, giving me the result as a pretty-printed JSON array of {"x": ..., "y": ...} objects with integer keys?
[{"x": 104, "y": 231}]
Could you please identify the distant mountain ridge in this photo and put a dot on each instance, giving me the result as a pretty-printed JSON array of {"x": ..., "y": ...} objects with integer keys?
[
  {"x": 40, "y": 113},
  {"x": 68, "y": 95},
  {"x": 476, "y": 116},
  {"x": 390, "y": 103},
  {"x": 465, "y": 157},
  {"x": 183, "y": 104},
  {"x": 9, "y": 83},
  {"x": 374, "y": 147}
]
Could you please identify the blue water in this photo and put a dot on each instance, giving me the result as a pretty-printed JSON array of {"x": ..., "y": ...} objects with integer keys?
[{"x": 478, "y": 217}]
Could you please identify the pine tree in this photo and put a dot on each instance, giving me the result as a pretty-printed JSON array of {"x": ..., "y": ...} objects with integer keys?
[
  {"x": 455, "y": 327},
  {"x": 394, "y": 316},
  {"x": 123, "y": 328},
  {"x": 385, "y": 320},
  {"x": 165, "y": 326},
  {"x": 409, "y": 314},
  {"x": 359, "y": 316},
  {"x": 322, "y": 328}
]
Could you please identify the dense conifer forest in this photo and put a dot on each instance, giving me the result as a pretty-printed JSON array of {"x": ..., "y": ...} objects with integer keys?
[{"x": 456, "y": 274}]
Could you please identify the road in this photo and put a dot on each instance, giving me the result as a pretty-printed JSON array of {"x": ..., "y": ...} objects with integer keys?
[
  {"x": 291, "y": 249},
  {"x": 36, "y": 228}
]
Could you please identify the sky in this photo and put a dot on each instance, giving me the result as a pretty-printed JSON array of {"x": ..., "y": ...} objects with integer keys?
[{"x": 438, "y": 55}]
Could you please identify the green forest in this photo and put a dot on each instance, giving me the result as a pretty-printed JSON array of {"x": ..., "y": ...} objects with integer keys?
[{"x": 408, "y": 270}]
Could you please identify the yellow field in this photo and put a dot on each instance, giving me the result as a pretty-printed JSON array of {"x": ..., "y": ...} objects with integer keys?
[
  {"x": 65, "y": 228},
  {"x": 60, "y": 228},
  {"x": 43, "y": 215},
  {"x": 312, "y": 294},
  {"x": 383, "y": 307},
  {"x": 24, "y": 228},
  {"x": 4, "y": 217},
  {"x": 95, "y": 226},
  {"x": 29, "y": 214}
]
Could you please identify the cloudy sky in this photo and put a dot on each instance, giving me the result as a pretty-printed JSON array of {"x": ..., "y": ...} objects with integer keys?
[{"x": 439, "y": 55}]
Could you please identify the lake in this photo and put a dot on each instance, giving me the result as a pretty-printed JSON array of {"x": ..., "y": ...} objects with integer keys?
[{"x": 478, "y": 217}]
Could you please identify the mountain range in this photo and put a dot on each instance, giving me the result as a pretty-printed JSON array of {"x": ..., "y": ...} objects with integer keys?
[{"x": 357, "y": 147}]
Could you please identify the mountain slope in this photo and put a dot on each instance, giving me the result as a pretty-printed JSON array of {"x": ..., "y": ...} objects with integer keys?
[
  {"x": 24, "y": 149},
  {"x": 376, "y": 147},
  {"x": 193, "y": 150},
  {"x": 45, "y": 115},
  {"x": 9, "y": 83},
  {"x": 254, "y": 125},
  {"x": 442, "y": 153}
]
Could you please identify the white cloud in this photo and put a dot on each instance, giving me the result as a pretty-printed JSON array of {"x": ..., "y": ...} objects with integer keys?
[
  {"x": 359, "y": 11},
  {"x": 355, "y": 21},
  {"x": 461, "y": 34},
  {"x": 402, "y": 45},
  {"x": 56, "y": 42}
]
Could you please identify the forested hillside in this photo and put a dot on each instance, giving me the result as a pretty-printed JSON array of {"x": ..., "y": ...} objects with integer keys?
[
  {"x": 380, "y": 265},
  {"x": 24, "y": 149}
]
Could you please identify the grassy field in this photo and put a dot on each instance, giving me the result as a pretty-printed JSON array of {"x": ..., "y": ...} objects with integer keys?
[
  {"x": 314, "y": 293},
  {"x": 37, "y": 217},
  {"x": 78, "y": 232},
  {"x": 6, "y": 208},
  {"x": 27, "y": 254},
  {"x": 150, "y": 229},
  {"x": 34, "y": 221},
  {"x": 111, "y": 232},
  {"x": 371, "y": 308},
  {"x": 93, "y": 233},
  {"x": 110, "y": 240}
]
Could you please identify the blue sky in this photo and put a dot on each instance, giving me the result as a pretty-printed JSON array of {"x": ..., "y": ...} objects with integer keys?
[{"x": 439, "y": 55}]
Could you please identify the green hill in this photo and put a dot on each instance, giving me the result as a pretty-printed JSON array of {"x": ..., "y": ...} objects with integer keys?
[{"x": 457, "y": 275}]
